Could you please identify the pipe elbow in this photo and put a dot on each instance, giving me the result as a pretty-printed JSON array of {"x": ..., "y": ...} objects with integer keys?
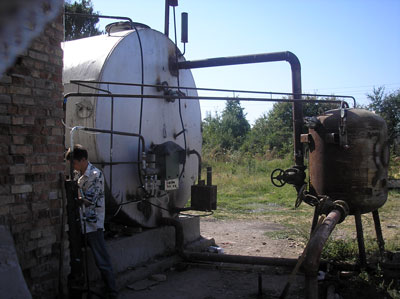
[{"x": 293, "y": 60}]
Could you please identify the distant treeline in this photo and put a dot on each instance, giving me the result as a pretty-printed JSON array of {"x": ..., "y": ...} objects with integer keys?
[{"x": 271, "y": 136}]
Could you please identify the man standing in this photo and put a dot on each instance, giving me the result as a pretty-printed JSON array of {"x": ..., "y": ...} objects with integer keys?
[{"x": 91, "y": 193}]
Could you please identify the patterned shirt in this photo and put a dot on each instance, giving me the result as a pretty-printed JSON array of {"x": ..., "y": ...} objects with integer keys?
[{"x": 91, "y": 184}]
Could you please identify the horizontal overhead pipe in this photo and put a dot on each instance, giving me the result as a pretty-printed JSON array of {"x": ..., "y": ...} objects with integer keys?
[
  {"x": 137, "y": 96},
  {"x": 266, "y": 57}
]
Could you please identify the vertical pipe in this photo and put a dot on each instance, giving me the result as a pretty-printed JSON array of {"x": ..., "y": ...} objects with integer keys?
[
  {"x": 360, "y": 239},
  {"x": 378, "y": 229},
  {"x": 313, "y": 255},
  {"x": 315, "y": 220},
  {"x": 166, "y": 21},
  {"x": 297, "y": 108},
  {"x": 209, "y": 176},
  {"x": 296, "y": 86}
]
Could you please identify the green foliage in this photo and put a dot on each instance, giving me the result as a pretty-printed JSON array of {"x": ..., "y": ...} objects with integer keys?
[
  {"x": 387, "y": 106},
  {"x": 78, "y": 27},
  {"x": 272, "y": 134},
  {"x": 225, "y": 133}
]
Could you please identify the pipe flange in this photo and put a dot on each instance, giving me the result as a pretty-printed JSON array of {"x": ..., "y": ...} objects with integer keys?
[{"x": 343, "y": 207}]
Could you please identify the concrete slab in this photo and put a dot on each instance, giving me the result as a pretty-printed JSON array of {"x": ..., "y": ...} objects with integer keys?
[
  {"x": 12, "y": 282},
  {"x": 127, "y": 253}
]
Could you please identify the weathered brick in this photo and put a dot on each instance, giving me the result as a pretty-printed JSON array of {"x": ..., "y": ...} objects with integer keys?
[
  {"x": 22, "y": 218},
  {"x": 19, "y": 179},
  {"x": 18, "y": 169},
  {"x": 36, "y": 233},
  {"x": 38, "y": 55},
  {"x": 4, "y": 210},
  {"x": 53, "y": 195},
  {"x": 4, "y": 189},
  {"x": 37, "y": 46},
  {"x": 21, "y": 149},
  {"x": 23, "y": 100},
  {"x": 47, "y": 241},
  {"x": 6, "y": 199},
  {"x": 40, "y": 168},
  {"x": 18, "y": 139},
  {"x": 19, "y": 209},
  {"x": 29, "y": 120},
  {"x": 41, "y": 159},
  {"x": 44, "y": 251},
  {"x": 5, "y": 99},
  {"x": 39, "y": 206},
  {"x": 17, "y": 120},
  {"x": 21, "y": 90},
  {"x": 42, "y": 93},
  {"x": 5, "y": 79},
  {"x": 21, "y": 189},
  {"x": 5, "y": 119},
  {"x": 4, "y": 109},
  {"x": 19, "y": 227}
]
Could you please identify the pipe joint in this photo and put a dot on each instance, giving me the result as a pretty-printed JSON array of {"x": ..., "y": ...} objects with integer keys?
[{"x": 343, "y": 207}]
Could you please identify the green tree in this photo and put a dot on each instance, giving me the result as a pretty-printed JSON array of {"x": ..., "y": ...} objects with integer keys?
[
  {"x": 274, "y": 131},
  {"x": 225, "y": 132},
  {"x": 387, "y": 106},
  {"x": 234, "y": 125},
  {"x": 212, "y": 132},
  {"x": 78, "y": 27}
]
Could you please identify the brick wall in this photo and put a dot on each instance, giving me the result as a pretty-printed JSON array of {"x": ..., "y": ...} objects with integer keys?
[{"x": 31, "y": 160}]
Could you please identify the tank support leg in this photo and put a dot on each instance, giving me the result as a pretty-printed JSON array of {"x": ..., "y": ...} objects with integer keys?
[
  {"x": 378, "y": 229},
  {"x": 315, "y": 220},
  {"x": 360, "y": 240}
]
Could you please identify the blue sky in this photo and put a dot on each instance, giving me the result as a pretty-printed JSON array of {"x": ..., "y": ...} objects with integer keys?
[{"x": 345, "y": 47}]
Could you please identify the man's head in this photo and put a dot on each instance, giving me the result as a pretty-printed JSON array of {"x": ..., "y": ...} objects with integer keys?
[{"x": 79, "y": 158}]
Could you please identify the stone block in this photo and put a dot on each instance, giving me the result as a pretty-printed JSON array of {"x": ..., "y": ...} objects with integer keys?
[
  {"x": 21, "y": 149},
  {"x": 6, "y": 199},
  {"x": 21, "y": 90},
  {"x": 17, "y": 120},
  {"x": 5, "y": 119},
  {"x": 18, "y": 169},
  {"x": 21, "y": 189},
  {"x": 38, "y": 55},
  {"x": 18, "y": 139},
  {"x": 5, "y": 99}
]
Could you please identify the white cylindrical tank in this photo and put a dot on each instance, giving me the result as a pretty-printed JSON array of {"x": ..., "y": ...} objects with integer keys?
[{"x": 118, "y": 58}]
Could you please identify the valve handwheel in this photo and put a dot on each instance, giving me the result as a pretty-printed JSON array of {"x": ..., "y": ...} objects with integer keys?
[{"x": 277, "y": 177}]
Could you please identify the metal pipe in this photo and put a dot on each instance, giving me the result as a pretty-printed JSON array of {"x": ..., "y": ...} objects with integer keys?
[
  {"x": 158, "y": 86},
  {"x": 165, "y": 97},
  {"x": 315, "y": 246},
  {"x": 166, "y": 19},
  {"x": 378, "y": 229},
  {"x": 209, "y": 176},
  {"x": 99, "y": 16},
  {"x": 190, "y": 152},
  {"x": 240, "y": 259},
  {"x": 267, "y": 57}
]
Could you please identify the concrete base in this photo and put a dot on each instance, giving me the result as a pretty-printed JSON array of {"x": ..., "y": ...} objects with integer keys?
[
  {"x": 140, "y": 250},
  {"x": 12, "y": 282}
]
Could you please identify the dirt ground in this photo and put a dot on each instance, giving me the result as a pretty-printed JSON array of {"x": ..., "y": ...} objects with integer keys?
[
  {"x": 247, "y": 237},
  {"x": 241, "y": 237}
]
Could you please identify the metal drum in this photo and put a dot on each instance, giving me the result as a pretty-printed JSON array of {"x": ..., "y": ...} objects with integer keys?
[
  {"x": 138, "y": 57},
  {"x": 349, "y": 158}
]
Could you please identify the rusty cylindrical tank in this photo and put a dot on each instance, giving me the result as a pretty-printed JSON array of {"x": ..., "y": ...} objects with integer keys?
[{"x": 349, "y": 158}]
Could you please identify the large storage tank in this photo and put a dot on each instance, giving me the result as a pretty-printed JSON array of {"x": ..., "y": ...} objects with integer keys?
[
  {"x": 349, "y": 158},
  {"x": 135, "y": 57}
]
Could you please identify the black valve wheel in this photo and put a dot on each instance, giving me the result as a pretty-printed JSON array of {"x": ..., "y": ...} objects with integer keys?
[{"x": 277, "y": 177}]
